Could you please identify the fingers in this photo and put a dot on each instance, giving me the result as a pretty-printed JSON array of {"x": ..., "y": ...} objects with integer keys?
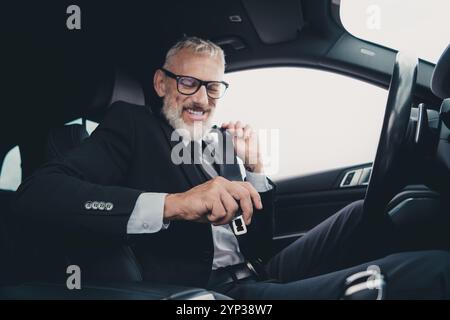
[
  {"x": 247, "y": 132},
  {"x": 227, "y": 197},
  {"x": 238, "y": 129},
  {"x": 242, "y": 195},
  {"x": 256, "y": 198},
  {"x": 226, "y": 125},
  {"x": 221, "y": 205},
  {"x": 248, "y": 198},
  {"x": 218, "y": 211},
  {"x": 231, "y": 127},
  {"x": 231, "y": 207}
]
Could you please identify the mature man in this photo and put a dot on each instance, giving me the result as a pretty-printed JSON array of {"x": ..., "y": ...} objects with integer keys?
[{"x": 124, "y": 183}]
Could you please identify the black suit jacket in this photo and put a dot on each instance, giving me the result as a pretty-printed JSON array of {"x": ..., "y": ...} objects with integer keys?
[{"x": 128, "y": 154}]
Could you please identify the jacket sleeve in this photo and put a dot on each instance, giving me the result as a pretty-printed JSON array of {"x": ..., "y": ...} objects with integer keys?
[{"x": 82, "y": 190}]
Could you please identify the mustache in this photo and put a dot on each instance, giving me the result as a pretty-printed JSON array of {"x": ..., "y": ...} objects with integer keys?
[{"x": 196, "y": 106}]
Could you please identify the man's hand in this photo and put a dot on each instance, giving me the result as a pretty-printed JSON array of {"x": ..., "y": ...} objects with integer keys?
[
  {"x": 246, "y": 145},
  {"x": 215, "y": 201}
]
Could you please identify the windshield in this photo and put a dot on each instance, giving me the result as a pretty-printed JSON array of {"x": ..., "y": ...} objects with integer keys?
[{"x": 417, "y": 26}]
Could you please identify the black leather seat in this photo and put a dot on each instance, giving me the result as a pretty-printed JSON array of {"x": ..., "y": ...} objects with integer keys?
[
  {"x": 114, "y": 261},
  {"x": 110, "y": 291},
  {"x": 6, "y": 244},
  {"x": 109, "y": 273},
  {"x": 116, "y": 86}
]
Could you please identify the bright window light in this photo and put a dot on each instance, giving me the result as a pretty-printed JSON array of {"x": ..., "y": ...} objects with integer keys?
[
  {"x": 419, "y": 27},
  {"x": 311, "y": 120},
  {"x": 11, "y": 170}
]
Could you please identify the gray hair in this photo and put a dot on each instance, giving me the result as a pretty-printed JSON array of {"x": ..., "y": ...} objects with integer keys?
[{"x": 196, "y": 45}]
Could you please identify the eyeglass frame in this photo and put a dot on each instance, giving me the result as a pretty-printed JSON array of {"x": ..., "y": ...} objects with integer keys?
[{"x": 177, "y": 77}]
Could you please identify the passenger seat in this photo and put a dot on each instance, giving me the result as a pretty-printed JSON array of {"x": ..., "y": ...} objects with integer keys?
[{"x": 115, "y": 262}]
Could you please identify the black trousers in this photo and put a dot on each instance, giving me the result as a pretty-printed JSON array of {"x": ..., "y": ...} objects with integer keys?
[{"x": 316, "y": 265}]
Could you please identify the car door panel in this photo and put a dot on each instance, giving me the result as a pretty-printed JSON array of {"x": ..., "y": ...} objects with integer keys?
[{"x": 304, "y": 202}]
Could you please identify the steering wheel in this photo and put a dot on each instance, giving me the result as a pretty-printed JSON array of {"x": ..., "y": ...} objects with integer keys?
[{"x": 386, "y": 179}]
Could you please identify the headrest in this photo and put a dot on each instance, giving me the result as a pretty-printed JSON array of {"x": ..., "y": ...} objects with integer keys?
[
  {"x": 440, "y": 81},
  {"x": 119, "y": 87}
]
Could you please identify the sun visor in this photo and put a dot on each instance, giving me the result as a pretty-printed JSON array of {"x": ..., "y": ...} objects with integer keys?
[{"x": 275, "y": 21}]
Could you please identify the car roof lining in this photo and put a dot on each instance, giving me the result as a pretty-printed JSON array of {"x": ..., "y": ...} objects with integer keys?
[{"x": 134, "y": 36}]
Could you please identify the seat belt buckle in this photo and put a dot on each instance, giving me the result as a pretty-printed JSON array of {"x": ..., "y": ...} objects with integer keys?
[{"x": 238, "y": 225}]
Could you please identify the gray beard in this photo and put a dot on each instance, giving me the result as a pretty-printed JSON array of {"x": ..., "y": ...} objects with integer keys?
[{"x": 194, "y": 132}]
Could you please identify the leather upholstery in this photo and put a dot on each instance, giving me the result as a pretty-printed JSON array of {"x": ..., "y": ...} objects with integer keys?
[
  {"x": 122, "y": 88},
  {"x": 111, "y": 291},
  {"x": 115, "y": 261}
]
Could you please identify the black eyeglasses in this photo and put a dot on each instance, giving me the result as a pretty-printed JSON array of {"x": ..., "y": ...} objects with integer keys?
[{"x": 189, "y": 85}]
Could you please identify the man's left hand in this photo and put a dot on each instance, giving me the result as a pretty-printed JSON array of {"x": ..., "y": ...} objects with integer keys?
[{"x": 246, "y": 145}]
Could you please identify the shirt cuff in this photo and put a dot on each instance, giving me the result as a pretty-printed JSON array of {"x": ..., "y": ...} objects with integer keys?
[
  {"x": 258, "y": 180},
  {"x": 148, "y": 214}
]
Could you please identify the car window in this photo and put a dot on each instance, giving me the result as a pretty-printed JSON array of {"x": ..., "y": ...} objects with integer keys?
[
  {"x": 416, "y": 26},
  {"x": 90, "y": 125},
  {"x": 311, "y": 120},
  {"x": 11, "y": 171},
  {"x": 11, "y": 168}
]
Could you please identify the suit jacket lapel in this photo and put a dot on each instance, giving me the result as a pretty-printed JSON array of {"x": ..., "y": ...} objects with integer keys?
[
  {"x": 190, "y": 171},
  {"x": 224, "y": 156}
]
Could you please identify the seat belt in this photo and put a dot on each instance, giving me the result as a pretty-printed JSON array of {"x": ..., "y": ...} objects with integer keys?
[{"x": 232, "y": 172}]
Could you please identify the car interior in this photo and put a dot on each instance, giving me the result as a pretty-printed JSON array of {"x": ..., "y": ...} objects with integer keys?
[{"x": 54, "y": 75}]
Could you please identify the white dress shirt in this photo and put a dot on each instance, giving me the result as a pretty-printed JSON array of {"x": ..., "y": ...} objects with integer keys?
[{"x": 147, "y": 217}]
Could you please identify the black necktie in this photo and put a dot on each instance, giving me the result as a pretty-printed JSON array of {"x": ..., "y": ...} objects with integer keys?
[
  {"x": 200, "y": 155},
  {"x": 215, "y": 165},
  {"x": 197, "y": 153}
]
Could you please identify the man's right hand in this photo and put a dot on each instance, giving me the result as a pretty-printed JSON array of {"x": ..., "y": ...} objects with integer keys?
[{"x": 215, "y": 201}]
